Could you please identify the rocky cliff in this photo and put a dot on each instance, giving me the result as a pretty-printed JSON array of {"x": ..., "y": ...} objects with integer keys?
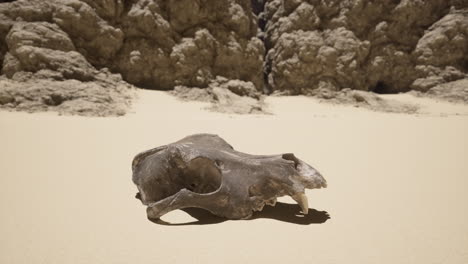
[
  {"x": 290, "y": 46},
  {"x": 382, "y": 46}
]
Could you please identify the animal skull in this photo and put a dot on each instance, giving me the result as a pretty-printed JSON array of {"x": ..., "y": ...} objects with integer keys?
[{"x": 204, "y": 171}]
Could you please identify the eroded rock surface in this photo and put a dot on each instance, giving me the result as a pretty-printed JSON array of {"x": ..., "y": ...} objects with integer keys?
[
  {"x": 381, "y": 46},
  {"x": 46, "y": 90},
  {"x": 456, "y": 91},
  {"x": 152, "y": 43},
  {"x": 226, "y": 96},
  {"x": 189, "y": 43},
  {"x": 35, "y": 46},
  {"x": 274, "y": 45},
  {"x": 364, "y": 99}
]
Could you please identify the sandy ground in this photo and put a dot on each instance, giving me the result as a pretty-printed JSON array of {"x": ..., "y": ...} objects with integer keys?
[{"x": 397, "y": 186}]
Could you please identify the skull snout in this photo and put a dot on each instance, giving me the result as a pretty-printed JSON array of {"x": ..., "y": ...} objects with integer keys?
[{"x": 309, "y": 176}]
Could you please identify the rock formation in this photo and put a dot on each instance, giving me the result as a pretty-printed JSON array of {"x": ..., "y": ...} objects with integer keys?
[
  {"x": 106, "y": 95},
  {"x": 226, "y": 96},
  {"x": 292, "y": 46},
  {"x": 382, "y": 46}
]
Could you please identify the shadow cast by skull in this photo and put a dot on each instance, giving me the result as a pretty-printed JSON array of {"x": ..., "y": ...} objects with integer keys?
[{"x": 288, "y": 213}]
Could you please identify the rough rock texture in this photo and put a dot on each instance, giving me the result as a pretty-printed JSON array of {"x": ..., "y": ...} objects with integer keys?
[
  {"x": 441, "y": 54},
  {"x": 35, "y": 46},
  {"x": 297, "y": 46},
  {"x": 226, "y": 96},
  {"x": 46, "y": 70},
  {"x": 189, "y": 43},
  {"x": 45, "y": 90},
  {"x": 456, "y": 91},
  {"x": 382, "y": 46},
  {"x": 364, "y": 99},
  {"x": 152, "y": 43},
  {"x": 311, "y": 59}
]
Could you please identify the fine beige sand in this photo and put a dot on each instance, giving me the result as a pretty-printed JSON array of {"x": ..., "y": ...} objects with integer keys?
[{"x": 397, "y": 186}]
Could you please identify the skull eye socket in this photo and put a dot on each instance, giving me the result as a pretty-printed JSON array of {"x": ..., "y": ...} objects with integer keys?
[{"x": 201, "y": 176}]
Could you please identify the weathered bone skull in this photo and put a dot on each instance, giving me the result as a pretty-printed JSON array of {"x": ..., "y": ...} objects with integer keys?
[{"x": 204, "y": 171}]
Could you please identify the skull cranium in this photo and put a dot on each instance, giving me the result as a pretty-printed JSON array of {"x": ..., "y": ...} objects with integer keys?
[{"x": 204, "y": 171}]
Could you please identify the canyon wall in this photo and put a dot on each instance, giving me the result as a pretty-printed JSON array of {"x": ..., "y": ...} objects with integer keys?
[
  {"x": 290, "y": 46},
  {"x": 383, "y": 46},
  {"x": 155, "y": 44}
]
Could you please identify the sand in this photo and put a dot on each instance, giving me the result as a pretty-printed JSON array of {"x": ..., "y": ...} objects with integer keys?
[{"x": 397, "y": 186}]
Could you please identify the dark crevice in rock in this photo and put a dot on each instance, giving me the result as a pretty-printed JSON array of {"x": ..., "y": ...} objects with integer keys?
[
  {"x": 383, "y": 88},
  {"x": 266, "y": 72},
  {"x": 258, "y": 8},
  {"x": 464, "y": 66}
]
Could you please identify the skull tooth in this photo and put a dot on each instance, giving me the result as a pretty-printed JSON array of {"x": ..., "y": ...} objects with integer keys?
[
  {"x": 301, "y": 199},
  {"x": 271, "y": 202},
  {"x": 259, "y": 206}
]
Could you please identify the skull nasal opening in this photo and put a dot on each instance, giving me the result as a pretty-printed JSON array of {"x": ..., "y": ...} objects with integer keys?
[{"x": 201, "y": 175}]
